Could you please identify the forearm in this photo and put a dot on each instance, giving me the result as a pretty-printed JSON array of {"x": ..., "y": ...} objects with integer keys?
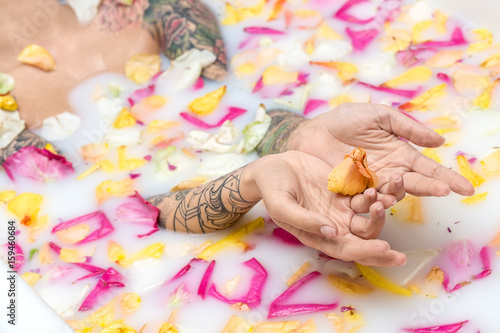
[
  {"x": 209, "y": 207},
  {"x": 277, "y": 138}
]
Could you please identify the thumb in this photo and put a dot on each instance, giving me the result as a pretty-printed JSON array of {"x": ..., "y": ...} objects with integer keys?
[{"x": 287, "y": 210}]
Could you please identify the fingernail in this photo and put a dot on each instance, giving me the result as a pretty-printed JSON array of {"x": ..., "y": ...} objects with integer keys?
[
  {"x": 380, "y": 211},
  {"x": 328, "y": 231},
  {"x": 394, "y": 202},
  {"x": 399, "y": 180}
]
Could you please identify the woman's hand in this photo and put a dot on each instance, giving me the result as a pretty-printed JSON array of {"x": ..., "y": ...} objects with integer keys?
[
  {"x": 377, "y": 128},
  {"x": 293, "y": 186}
]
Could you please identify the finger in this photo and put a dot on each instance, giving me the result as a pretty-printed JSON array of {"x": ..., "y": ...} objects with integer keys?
[
  {"x": 430, "y": 168},
  {"x": 361, "y": 203},
  {"x": 285, "y": 209},
  {"x": 419, "y": 185},
  {"x": 387, "y": 259},
  {"x": 369, "y": 228},
  {"x": 402, "y": 125},
  {"x": 396, "y": 187},
  {"x": 388, "y": 200}
]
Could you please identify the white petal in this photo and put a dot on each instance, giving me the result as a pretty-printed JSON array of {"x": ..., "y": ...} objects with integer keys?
[
  {"x": 60, "y": 126},
  {"x": 10, "y": 126}
]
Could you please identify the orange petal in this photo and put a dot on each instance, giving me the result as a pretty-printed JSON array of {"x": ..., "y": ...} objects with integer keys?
[
  {"x": 37, "y": 56},
  {"x": 206, "y": 104}
]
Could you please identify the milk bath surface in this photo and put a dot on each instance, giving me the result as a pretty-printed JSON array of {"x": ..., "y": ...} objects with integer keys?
[{"x": 309, "y": 57}]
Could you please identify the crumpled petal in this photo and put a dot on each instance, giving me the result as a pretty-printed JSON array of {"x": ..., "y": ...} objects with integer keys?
[
  {"x": 38, "y": 164},
  {"x": 98, "y": 218},
  {"x": 36, "y": 56},
  {"x": 236, "y": 13},
  {"x": 138, "y": 210},
  {"x": 110, "y": 278},
  {"x": 352, "y": 176},
  {"x": 380, "y": 281},
  {"x": 226, "y": 140},
  {"x": 466, "y": 171},
  {"x": 485, "y": 41},
  {"x": 232, "y": 239},
  {"x": 124, "y": 119},
  {"x": 208, "y": 103},
  {"x": 255, "y": 131},
  {"x": 128, "y": 163},
  {"x": 142, "y": 66},
  {"x": 186, "y": 68},
  {"x": 154, "y": 250},
  {"x": 109, "y": 188},
  {"x": 60, "y": 126},
  {"x": 7, "y": 83},
  {"x": 361, "y": 38},
  {"x": 8, "y": 102},
  {"x": 130, "y": 302}
]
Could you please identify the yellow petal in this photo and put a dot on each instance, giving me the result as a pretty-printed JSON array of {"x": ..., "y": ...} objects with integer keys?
[
  {"x": 154, "y": 101},
  {"x": 415, "y": 74},
  {"x": 25, "y": 206},
  {"x": 442, "y": 131},
  {"x": 409, "y": 209},
  {"x": 74, "y": 255},
  {"x": 277, "y": 75},
  {"x": 245, "y": 69},
  {"x": 37, "y": 56},
  {"x": 491, "y": 164},
  {"x": 485, "y": 41},
  {"x": 232, "y": 239},
  {"x": 8, "y": 103},
  {"x": 187, "y": 184},
  {"x": 74, "y": 234},
  {"x": 445, "y": 58},
  {"x": 237, "y": 325},
  {"x": 396, "y": 40},
  {"x": 276, "y": 327},
  {"x": 435, "y": 274},
  {"x": 492, "y": 61},
  {"x": 341, "y": 99},
  {"x": 45, "y": 254},
  {"x": 199, "y": 249},
  {"x": 105, "y": 165},
  {"x": 35, "y": 228},
  {"x": 168, "y": 328},
  {"x": 348, "y": 286},
  {"x": 115, "y": 251},
  {"x": 51, "y": 148},
  {"x": 345, "y": 70},
  {"x": 130, "y": 302},
  {"x": 124, "y": 119},
  {"x": 94, "y": 152},
  {"x": 230, "y": 285},
  {"x": 121, "y": 188},
  {"x": 475, "y": 198},
  {"x": 465, "y": 81},
  {"x": 309, "y": 45},
  {"x": 206, "y": 104},
  {"x": 117, "y": 327},
  {"x": 431, "y": 153},
  {"x": 79, "y": 326},
  {"x": 380, "y": 281},
  {"x": 308, "y": 327},
  {"x": 484, "y": 100},
  {"x": 30, "y": 278},
  {"x": 128, "y": 163},
  {"x": 7, "y": 195},
  {"x": 440, "y": 20},
  {"x": 161, "y": 125},
  {"x": 278, "y": 6},
  {"x": 141, "y": 67},
  {"x": 467, "y": 172},
  {"x": 444, "y": 121},
  {"x": 104, "y": 315},
  {"x": 418, "y": 28},
  {"x": 298, "y": 274},
  {"x": 325, "y": 31},
  {"x": 425, "y": 101},
  {"x": 152, "y": 251},
  {"x": 236, "y": 14}
]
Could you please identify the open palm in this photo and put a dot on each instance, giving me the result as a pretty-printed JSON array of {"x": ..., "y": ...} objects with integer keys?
[
  {"x": 377, "y": 129},
  {"x": 293, "y": 186}
]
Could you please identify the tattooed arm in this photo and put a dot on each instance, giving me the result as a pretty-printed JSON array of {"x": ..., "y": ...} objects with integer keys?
[
  {"x": 293, "y": 188},
  {"x": 207, "y": 208},
  {"x": 24, "y": 139},
  {"x": 181, "y": 25}
]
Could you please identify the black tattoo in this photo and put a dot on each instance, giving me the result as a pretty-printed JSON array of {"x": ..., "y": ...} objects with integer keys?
[
  {"x": 207, "y": 208},
  {"x": 182, "y": 25},
  {"x": 275, "y": 141},
  {"x": 24, "y": 139}
]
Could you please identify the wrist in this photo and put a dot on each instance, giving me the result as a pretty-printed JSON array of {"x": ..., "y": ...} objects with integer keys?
[{"x": 249, "y": 189}]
